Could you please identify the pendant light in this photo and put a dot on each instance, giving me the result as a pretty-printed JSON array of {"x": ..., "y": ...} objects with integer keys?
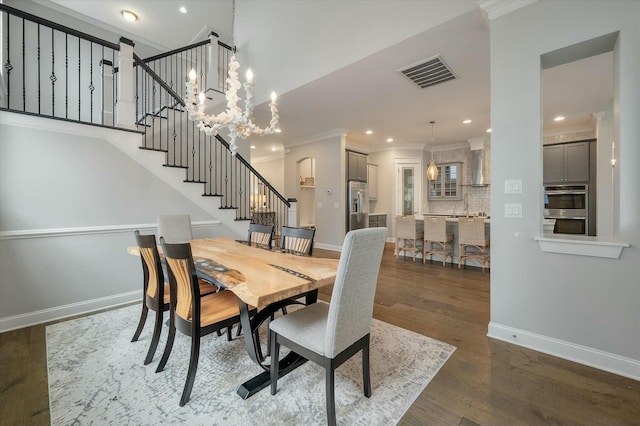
[{"x": 432, "y": 170}]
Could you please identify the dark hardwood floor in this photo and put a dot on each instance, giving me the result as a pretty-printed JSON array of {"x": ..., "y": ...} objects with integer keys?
[{"x": 485, "y": 382}]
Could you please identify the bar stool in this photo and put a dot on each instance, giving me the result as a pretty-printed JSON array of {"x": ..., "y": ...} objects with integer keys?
[
  {"x": 411, "y": 234},
  {"x": 436, "y": 239},
  {"x": 472, "y": 242}
]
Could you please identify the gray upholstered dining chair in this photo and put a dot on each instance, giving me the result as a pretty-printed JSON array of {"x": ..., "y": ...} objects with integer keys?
[
  {"x": 175, "y": 228},
  {"x": 330, "y": 334}
]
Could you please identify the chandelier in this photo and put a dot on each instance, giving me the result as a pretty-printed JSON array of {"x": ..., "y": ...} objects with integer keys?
[
  {"x": 238, "y": 122},
  {"x": 432, "y": 170}
]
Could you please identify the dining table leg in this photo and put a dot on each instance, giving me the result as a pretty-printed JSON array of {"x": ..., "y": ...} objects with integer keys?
[{"x": 250, "y": 325}]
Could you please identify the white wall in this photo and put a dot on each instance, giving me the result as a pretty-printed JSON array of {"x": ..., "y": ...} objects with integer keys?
[
  {"x": 69, "y": 206},
  {"x": 273, "y": 171},
  {"x": 329, "y": 155},
  {"x": 290, "y": 43},
  {"x": 578, "y": 307}
]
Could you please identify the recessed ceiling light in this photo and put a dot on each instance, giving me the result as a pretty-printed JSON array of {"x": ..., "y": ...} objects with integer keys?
[
  {"x": 273, "y": 149},
  {"x": 253, "y": 147},
  {"x": 183, "y": 9},
  {"x": 466, "y": 122},
  {"x": 390, "y": 140},
  {"x": 558, "y": 118},
  {"x": 489, "y": 130},
  {"x": 129, "y": 15},
  {"x": 369, "y": 132}
]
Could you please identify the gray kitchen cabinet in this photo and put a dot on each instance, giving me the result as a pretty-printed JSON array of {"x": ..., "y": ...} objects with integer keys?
[
  {"x": 447, "y": 184},
  {"x": 377, "y": 220},
  {"x": 356, "y": 166},
  {"x": 566, "y": 162},
  {"x": 372, "y": 180}
]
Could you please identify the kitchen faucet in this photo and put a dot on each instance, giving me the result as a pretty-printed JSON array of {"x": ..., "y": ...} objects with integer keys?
[{"x": 465, "y": 199}]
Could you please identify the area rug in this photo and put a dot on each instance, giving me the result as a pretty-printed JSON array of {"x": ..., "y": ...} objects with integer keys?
[{"x": 97, "y": 376}]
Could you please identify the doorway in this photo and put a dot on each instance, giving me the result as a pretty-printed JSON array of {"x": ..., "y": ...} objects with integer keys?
[{"x": 408, "y": 187}]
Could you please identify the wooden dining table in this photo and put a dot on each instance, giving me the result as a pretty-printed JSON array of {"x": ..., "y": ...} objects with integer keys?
[{"x": 266, "y": 278}]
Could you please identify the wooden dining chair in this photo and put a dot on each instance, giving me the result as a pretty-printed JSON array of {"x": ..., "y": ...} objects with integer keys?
[
  {"x": 410, "y": 234},
  {"x": 298, "y": 240},
  {"x": 260, "y": 234},
  {"x": 329, "y": 334},
  {"x": 436, "y": 239},
  {"x": 155, "y": 291},
  {"x": 190, "y": 313},
  {"x": 472, "y": 241}
]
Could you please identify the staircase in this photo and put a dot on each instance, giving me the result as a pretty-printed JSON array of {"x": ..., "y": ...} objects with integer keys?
[{"x": 78, "y": 79}]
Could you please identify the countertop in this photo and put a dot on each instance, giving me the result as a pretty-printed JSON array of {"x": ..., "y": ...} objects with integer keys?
[{"x": 452, "y": 219}]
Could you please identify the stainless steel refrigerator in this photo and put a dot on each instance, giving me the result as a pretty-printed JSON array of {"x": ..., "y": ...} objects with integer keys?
[{"x": 357, "y": 206}]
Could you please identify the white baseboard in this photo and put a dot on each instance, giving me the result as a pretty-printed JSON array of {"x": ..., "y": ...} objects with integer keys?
[
  {"x": 596, "y": 358},
  {"x": 327, "y": 246},
  {"x": 65, "y": 311}
]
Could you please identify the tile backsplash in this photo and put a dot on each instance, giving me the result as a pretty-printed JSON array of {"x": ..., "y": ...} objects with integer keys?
[{"x": 478, "y": 197}]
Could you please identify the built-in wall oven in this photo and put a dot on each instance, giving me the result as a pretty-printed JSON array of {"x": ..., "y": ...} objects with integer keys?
[{"x": 569, "y": 206}]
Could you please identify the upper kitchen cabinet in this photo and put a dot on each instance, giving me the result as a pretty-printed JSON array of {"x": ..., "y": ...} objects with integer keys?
[
  {"x": 372, "y": 179},
  {"x": 356, "y": 166},
  {"x": 566, "y": 162},
  {"x": 447, "y": 184}
]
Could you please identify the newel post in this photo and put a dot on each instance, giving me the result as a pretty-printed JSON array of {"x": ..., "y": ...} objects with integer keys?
[
  {"x": 292, "y": 213},
  {"x": 126, "y": 107}
]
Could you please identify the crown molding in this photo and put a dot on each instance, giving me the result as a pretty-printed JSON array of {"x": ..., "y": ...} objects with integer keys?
[
  {"x": 496, "y": 8},
  {"x": 317, "y": 137}
]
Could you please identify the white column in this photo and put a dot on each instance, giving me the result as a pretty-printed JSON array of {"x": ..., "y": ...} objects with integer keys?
[
  {"x": 126, "y": 107},
  {"x": 292, "y": 213}
]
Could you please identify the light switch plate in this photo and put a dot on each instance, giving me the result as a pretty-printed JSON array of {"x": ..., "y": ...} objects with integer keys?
[
  {"x": 513, "y": 186},
  {"x": 513, "y": 210}
]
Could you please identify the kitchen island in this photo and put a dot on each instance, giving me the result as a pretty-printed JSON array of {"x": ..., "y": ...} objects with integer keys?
[{"x": 452, "y": 228}]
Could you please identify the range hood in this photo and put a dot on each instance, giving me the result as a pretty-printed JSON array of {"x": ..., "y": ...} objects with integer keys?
[{"x": 477, "y": 161}]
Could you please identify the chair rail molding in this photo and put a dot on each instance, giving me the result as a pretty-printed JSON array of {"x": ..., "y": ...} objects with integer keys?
[{"x": 90, "y": 230}]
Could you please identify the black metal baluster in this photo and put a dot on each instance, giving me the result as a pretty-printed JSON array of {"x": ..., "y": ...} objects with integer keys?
[
  {"x": 114, "y": 88},
  {"x": 102, "y": 86},
  {"x": 53, "y": 77},
  {"x": 66, "y": 76},
  {"x": 79, "y": 77},
  {"x": 24, "y": 83},
  {"x": 7, "y": 65},
  {"x": 91, "y": 86},
  {"x": 38, "y": 50}
]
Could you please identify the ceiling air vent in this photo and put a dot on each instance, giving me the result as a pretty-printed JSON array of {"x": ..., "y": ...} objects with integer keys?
[{"x": 429, "y": 72}]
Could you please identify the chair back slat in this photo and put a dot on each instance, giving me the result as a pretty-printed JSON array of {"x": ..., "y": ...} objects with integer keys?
[
  {"x": 297, "y": 244},
  {"x": 151, "y": 264},
  {"x": 180, "y": 270},
  {"x": 351, "y": 307},
  {"x": 260, "y": 238},
  {"x": 149, "y": 260},
  {"x": 260, "y": 234}
]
